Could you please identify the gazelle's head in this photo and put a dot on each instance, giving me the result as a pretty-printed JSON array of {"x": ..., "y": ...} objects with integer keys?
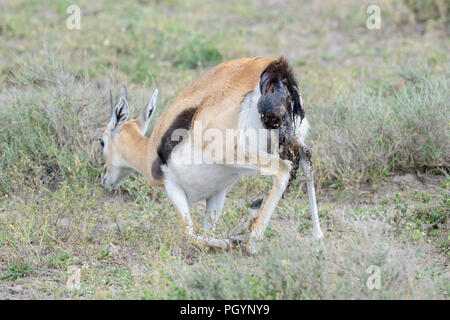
[{"x": 118, "y": 138}]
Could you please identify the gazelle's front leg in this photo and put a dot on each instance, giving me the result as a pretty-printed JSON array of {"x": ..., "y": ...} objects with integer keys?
[
  {"x": 214, "y": 206},
  {"x": 178, "y": 197}
]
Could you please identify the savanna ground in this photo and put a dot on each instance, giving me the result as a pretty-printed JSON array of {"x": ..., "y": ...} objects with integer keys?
[{"x": 377, "y": 100}]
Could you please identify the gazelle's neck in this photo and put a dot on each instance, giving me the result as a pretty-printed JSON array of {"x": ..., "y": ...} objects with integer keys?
[{"x": 135, "y": 148}]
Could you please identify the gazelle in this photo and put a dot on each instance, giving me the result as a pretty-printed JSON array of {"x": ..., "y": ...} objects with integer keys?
[{"x": 238, "y": 95}]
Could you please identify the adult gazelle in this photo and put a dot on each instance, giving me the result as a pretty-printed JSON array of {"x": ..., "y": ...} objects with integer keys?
[{"x": 210, "y": 136}]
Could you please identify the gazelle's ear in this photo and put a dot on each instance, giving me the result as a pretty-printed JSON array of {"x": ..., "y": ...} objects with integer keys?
[
  {"x": 119, "y": 116},
  {"x": 147, "y": 113}
]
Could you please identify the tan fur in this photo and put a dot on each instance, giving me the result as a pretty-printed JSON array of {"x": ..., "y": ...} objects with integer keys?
[
  {"x": 223, "y": 90},
  {"x": 134, "y": 153},
  {"x": 217, "y": 92}
]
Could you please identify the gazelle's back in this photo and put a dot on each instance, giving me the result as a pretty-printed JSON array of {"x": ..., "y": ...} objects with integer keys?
[{"x": 227, "y": 82}]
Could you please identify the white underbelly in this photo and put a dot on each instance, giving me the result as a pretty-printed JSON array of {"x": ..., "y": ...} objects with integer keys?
[{"x": 199, "y": 179}]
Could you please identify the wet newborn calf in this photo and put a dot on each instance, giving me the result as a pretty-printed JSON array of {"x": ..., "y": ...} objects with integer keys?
[{"x": 276, "y": 111}]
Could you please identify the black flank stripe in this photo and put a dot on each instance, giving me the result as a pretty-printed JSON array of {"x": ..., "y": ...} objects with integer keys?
[{"x": 182, "y": 121}]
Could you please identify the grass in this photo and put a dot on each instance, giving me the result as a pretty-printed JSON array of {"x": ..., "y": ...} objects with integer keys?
[
  {"x": 368, "y": 134},
  {"x": 377, "y": 102}
]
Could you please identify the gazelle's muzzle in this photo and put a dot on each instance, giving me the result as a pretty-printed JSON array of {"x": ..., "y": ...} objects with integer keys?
[
  {"x": 103, "y": 176},
  {"x": 104, "y": 180},
  {"x": 111, "y": 176}
]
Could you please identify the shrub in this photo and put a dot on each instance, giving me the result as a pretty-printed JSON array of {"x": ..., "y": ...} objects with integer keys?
[
  {"x": 425, "y": 10},
  {"x": 366, "y": 135},
  {"x": 50, "y": 119}
]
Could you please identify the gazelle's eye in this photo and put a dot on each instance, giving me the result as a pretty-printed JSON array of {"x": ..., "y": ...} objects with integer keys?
[{"x": 102, "y": 143}]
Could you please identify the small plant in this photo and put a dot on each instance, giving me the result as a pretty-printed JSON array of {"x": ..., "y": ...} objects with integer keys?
[
  {"x": 401, "y": 211},
  {"x": 60, "y": 261},
  {"x": 425, "y": 221},
  {"x": 17, "y": 270}
]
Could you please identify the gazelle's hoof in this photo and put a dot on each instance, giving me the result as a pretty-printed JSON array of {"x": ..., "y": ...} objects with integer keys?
[
  {"x": 252, "y": 246},
  {"x": 256, "y": 204},
  {"x": 212, "y": 242},
  {"x": 236, "y": 240}
]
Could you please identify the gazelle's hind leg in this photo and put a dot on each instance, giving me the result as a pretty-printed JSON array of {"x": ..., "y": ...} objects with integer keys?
[
  {"x": 238, "y": 233},
  {"x": 178, "y": 197},
  {"x": 279, "y": 169},
  {"x": 246, "y": 223},
  {"x": 280, "y": 182}
]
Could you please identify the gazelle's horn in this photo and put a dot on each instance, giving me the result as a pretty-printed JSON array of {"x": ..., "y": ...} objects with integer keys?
[
  {"x": 126, "y": 93},
  {"x": 111, "y": 100}
]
